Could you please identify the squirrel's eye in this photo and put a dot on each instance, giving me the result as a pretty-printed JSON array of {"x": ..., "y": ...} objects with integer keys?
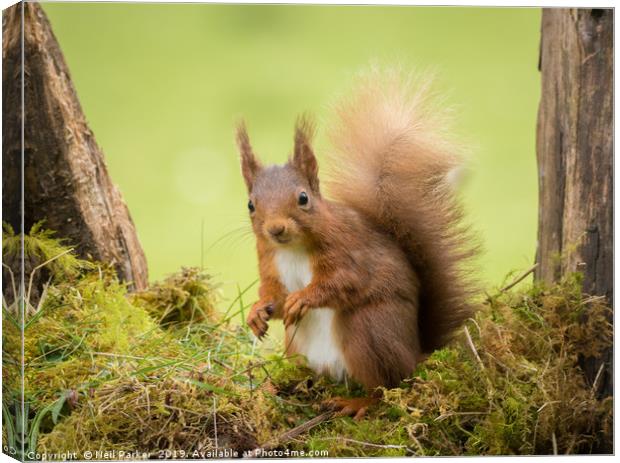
[
  {"x": 303, "y": 198},
  {"x": 251, "y": 206}
]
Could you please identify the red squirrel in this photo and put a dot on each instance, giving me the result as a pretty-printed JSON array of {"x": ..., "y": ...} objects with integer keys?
[{"x": 370, "y": 281}]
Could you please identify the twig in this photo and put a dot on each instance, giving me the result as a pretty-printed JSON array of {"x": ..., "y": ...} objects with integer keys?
[
  {"x": 15, "y": 294},
  {"x": 291, "y": 434},
  {"x": 519, "y": 279},
  {"x": 473, "y": 320},
  {"x": 369, "y": 444},
  {"x": 555, "y": 443},
  {"x": 43, "y": 296},
  {"x": 415, "y": 440},
  {"x": 472, "y": 347},
  {"x": 6, "y": 306},
  {"x": 547, "y": 403},
  {"x": 590, "y": 299},
  {"x": 597, "y": 378},
  {"x": 66, "y": 251},
  {"x": 302, "y": 428}
]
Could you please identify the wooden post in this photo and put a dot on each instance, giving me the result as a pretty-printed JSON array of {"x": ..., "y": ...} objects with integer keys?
[
  {"x": 575, "y": 154},
  {"x": 66, "y": 181}
]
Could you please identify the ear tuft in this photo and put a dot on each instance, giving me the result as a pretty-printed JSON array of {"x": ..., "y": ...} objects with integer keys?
[
  {"x": 303, "y": 156},
  {"x": 250, "y": 166}
]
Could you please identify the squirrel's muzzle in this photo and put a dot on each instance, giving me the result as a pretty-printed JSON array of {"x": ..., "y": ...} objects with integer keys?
[
  {"x": 276, "y": 230},
  {"x": 281, "y": 230}
]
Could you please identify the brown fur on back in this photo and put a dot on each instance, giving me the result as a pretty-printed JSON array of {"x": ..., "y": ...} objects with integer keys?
[{"x": 392, "y": 163}]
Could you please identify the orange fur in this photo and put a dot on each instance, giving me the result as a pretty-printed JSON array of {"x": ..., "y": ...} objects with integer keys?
[
  {"x": 393, "y": 162},
  {"x": 386, "y": 252}
]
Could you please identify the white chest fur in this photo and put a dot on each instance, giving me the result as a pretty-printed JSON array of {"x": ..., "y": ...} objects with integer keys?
[{"x": 313, "y": 336}]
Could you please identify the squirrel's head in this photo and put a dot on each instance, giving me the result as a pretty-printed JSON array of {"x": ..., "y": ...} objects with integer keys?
[{"x": 283, "y": 199}]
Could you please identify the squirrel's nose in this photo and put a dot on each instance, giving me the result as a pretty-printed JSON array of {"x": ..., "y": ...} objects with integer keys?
[{"x": 276, "y": 230}]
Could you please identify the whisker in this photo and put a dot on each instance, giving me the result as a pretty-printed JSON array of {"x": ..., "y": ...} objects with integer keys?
[
  {"x": 229, "y": 236},
  {"x": 239, "y": 238}
]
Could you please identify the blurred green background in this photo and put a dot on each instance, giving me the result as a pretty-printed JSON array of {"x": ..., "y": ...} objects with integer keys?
[{"x": 162, "y": 86}]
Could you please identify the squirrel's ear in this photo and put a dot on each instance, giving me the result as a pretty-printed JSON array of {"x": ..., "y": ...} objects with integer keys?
[
  {"x": 249, "y": 163},
  {"x": 303, "y": 156}
]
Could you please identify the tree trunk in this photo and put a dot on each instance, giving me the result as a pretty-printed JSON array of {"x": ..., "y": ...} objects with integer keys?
[
  {"x": 66, "y": 182},
  {"x": 575, "y": 154}
]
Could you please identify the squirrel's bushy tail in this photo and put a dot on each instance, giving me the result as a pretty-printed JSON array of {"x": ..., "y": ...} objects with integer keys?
[{"x": 394, "y": 162}]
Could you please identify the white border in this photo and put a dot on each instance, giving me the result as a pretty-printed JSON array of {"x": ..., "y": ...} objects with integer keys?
[
  {"x": 459, "y": 3},
  {"x": 444, "y": 3}
]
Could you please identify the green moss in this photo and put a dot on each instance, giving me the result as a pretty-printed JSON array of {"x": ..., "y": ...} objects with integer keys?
[
  {"x": 162, "y": 370},
  {"x": 186, "y": 297},
  {"x": 41, "y": 247}
]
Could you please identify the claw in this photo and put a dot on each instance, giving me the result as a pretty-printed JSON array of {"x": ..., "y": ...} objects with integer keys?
[
  {"x": 295, "y": 307},
  {"x": 258, "y": 317},
  {"x": 355, "y": 407}
]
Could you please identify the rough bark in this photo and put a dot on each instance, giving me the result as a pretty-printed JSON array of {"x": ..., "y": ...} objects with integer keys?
[
  {"x": 66, "y": 180},
  {"x": 575, "y": 154}
]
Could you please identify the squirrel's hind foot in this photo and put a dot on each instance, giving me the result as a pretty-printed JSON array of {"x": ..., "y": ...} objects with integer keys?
[{"x": 355, "y": 407}]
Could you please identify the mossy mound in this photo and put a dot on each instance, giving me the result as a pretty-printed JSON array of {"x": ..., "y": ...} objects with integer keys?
[
  {"x": 186, "y": 297},
  {"x": 161, "y": 374},
  {"x": 513, "y": 385}
]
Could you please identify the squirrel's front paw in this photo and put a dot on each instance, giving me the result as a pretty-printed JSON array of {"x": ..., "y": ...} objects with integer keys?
[
  {"x": 295, "y": 307},
  {"x": 259, "y": 316}
]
